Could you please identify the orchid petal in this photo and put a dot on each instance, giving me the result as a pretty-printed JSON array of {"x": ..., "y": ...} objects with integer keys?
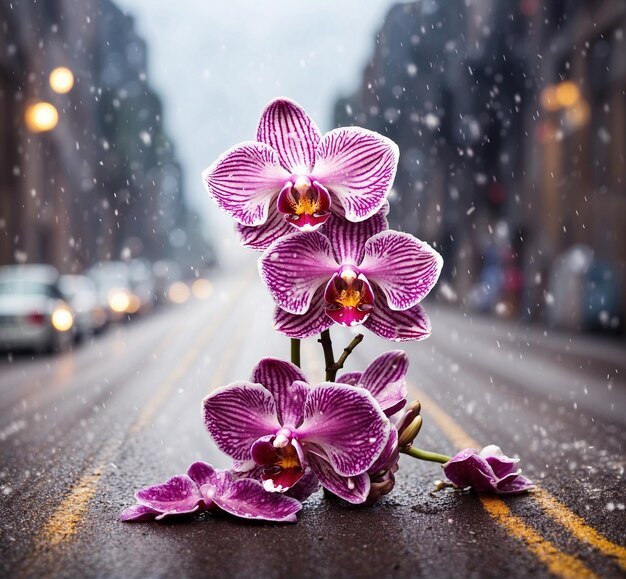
[
  {"x": 351, "y": 378},
  {"x": 246, "y": 498},
  {"x": 176, "y": 496},
  {"x": 404, "y": 267},
  {"x": 288, "y": 386},
  {"x": 238, "y": 414},
  {"x": 353, "y": 489},
  {"x": 260, "y": 237},
  {"x": 388, "y": 458},
  {"x": 244, "y": 180},
  {"x": 286, "y": 127},
  {"x": 385, "y": 379},
  {"x": 411, "y": 324},
  {"x": 348, "y": 239},
  {"x": 294, "y": 267},
  {"x": 314, "y": 321},
  {"x": 468, "y": 469},
  {"x": 202, "y": 473},
  {"x": 305, "y": 487},
  {"x": 358, "y": 166},
  {"x": 512, "y": 484},
  {"x": 139, "y": 513},
  {"x": 347, "y": 423},
  {"x": 502, "y": 465}
]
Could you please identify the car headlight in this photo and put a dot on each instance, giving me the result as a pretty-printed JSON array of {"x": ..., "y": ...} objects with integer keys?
[
  {"x": 119, "y": 300},
  {"x": 62, "y": 319}
]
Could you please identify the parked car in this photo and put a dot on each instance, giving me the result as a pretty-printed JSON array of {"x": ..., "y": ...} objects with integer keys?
[
  {"x": 33, "y": 313},
  {"x": 82, "y": 294}
]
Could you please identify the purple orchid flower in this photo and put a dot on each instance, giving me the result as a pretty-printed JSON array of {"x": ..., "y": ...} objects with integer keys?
[
  {"x": 291, "y": 176},
  {"x": 204, "y": 488},
  {"x": 352, "y": 273},
  {"x": 284, "y": 425},
  {"x": 486, "y": 471}
]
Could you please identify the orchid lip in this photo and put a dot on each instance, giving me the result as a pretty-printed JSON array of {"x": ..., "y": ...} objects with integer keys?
[
  {"x": 305, "y": 204},
  {"x": 349, "y": 297}
]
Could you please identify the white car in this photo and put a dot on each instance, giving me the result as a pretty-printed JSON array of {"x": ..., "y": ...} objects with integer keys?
[{"x": 33, "y": 313}]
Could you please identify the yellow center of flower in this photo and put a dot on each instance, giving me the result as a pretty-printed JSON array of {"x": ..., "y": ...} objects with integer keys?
[
  {"x": 306, "y": 202},
  {"x": 288, "y": 458}
]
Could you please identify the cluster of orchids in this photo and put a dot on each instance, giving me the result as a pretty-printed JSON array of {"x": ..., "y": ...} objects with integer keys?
[{"x": 316, "y": 207}]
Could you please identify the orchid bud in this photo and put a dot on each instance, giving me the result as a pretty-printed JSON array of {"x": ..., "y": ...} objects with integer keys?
[{"x": 410, "y": 432}]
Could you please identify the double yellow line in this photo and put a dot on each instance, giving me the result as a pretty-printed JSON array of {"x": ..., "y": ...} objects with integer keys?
[{"x": 557, "y": 562}]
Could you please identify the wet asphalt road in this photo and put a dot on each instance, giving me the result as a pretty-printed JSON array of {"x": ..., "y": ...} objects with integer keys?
[{"x": 79, "y": 432}]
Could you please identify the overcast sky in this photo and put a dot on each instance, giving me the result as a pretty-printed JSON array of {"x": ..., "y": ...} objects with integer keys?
[{"x": 216, "y": 64}]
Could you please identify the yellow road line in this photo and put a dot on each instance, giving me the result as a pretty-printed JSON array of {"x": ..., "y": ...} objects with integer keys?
[
  {"x": 498, "y": 509},
  {"x": 69, "y": 514},
  {"x": 577, "y": 526},
  {"x": 64, "y": 521},
  {"x": 557, "y": 562}
]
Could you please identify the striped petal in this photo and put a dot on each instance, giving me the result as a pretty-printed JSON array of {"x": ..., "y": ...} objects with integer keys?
[
  {"x": 294, "y": 267},
  {"x": 351, "y": 378},
  {"x": 260, "y": 237},
  {"x": 358, "y": 166},
  {"x": 176, "y": 496},
  {"x": 353, "y": 489},
  {"x": 410, "y": 325},
  {"x": 244, "y": 180},
  {"x": 237, "y": 415},
  {"x": 348, "y": 239},
  {"x": 286, "y": 128},
  {"x": 385, "y": 379},
  {"x": 313, "y": 321},
  {"x": 246, "y": 498},
  {"x": 347, "y": 424},
  {"x": 404, "y": 267},
  {"x": 288, "y": 386}
]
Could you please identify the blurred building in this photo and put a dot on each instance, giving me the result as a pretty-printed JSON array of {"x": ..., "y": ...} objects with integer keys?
[
  {"x": 92, "y": 176},
  {"x": 510, "y": 117}
]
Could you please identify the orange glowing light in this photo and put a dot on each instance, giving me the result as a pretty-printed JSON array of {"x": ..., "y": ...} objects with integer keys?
[
  {"x": 61, "y": 80},
  {"x": 549, "y": 100},
  {"x": 41, "y": 117},
  {"x": 567, "y": 94}
]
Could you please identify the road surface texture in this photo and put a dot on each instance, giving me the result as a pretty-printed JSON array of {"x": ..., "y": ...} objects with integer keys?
[{"x": 81, "y": 431}]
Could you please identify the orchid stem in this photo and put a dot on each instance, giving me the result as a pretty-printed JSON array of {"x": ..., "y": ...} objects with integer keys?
[
  {"x": 426, "y": 455},
  {"x": 295, "y": 352},
  {"x": 338, "y": 365},
  {"x": 329, "y": 357}
]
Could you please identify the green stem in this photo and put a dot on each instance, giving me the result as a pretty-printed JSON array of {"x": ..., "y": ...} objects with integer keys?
[
  {"x": 338, "y": 365},
  {"x": 329, "y": 357},
  {"x": 295, "y": 351},
  {"x": 426, "y": 455}
]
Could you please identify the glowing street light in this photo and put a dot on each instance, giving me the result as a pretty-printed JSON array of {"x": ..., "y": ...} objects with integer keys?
[
  {"x": 564, "y": 95},
  {"x": 567, "y": 94},
  {"x": 61, "y": 80},
  {"x": 40, "y": 117}
]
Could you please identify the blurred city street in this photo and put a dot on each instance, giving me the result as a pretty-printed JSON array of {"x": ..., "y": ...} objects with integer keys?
[
  {"x": 81, "y": 430},
  {"x": 170, "y": 173}
]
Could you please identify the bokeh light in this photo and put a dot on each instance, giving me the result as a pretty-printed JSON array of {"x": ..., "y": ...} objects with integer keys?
[
  {"x": 61, "y": 80},
  {"x": 40, "y": 117},
  {"x": 202, "y": 289}
]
